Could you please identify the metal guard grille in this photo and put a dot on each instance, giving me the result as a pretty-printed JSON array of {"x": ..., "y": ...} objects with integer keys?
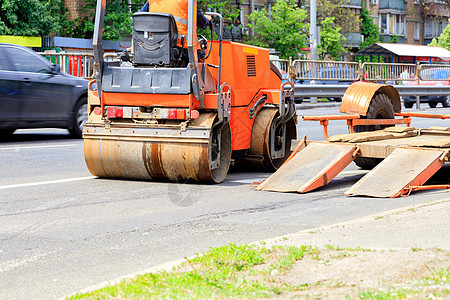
[{"x": 251, "y": 66}]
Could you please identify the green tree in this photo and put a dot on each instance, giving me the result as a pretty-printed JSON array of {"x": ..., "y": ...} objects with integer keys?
[
  {"x": 285, "y": 30},
  {"x": 443, "y": 40},
  {"x": 330, "y": 40},
  {"x": 369, "y": 30},
  {"x": 230, "y": 12},
  {"x": 117, "y": 22},
  {"x": 31, "y": 17},
  {"x": 346, "y": 18}
]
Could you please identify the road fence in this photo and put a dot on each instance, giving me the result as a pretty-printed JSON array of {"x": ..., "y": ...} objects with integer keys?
[
  {"x": 307, "y": 70},
  {"x": 82, "y": 65},
  {"x": 78, "y": 64}
]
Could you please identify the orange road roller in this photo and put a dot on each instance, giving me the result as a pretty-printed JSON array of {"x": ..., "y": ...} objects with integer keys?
[{"x": 165, "y": 112}]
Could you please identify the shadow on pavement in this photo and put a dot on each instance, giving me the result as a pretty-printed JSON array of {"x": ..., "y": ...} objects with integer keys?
[{"x": 35, "y": 137}]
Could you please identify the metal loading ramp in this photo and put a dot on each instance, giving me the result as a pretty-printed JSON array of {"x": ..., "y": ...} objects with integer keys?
[
  {"x": 398, "y": 173},
  {"x": 313, "y": 167}
]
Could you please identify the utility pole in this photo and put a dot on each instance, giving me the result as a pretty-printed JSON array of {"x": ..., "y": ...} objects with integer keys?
[
  {"x": 313, "y": 40},
  {"x": 252, "y": 9}
]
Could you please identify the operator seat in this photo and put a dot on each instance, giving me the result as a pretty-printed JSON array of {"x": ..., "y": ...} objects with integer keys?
[{"x": 155, "y": 37}]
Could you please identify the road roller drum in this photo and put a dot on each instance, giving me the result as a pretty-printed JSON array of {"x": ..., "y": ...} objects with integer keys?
[
  {"x": 161, "y": 153},
  {"x": 156, "y": 115}
]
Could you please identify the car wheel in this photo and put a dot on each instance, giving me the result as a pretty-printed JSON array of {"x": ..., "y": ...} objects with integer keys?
[
  {"x": 432, "y": 104},
  {"x": 380, "y": 108},
  {"x": 408, "y": 104},
  {"x": 446, "y": 102},
  {"x": 80, "y": 118}
]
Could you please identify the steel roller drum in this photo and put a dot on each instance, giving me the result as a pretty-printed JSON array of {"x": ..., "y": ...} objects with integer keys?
[
  {"x": 260, "y": 147},
  {"x": 159, "y": 152}
]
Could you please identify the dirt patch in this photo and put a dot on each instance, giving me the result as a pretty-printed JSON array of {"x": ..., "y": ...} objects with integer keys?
[
  {"x": 395, "y": 264},
  {"x": 341, "y": 273}
]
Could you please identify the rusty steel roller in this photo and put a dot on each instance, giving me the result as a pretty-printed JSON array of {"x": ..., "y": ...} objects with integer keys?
[
  {"x": 270, "y": 141},
  {"x": 200, "y": 153}
]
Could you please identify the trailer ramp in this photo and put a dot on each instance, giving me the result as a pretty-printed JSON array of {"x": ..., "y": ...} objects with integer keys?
[
  {"x": 313, "y": 167},
  {"x": 398, "y": 173}
]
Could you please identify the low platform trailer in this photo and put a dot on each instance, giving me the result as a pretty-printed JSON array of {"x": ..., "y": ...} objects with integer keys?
[{"x": 401, "y": 158}]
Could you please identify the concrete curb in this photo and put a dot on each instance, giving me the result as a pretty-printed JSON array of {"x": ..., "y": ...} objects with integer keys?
[{"x": 292, "y": 236}]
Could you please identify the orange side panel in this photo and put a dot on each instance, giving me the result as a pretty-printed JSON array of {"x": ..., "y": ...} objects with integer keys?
[
  {"x": 211, "y": 101},
  {"x": 246, "y": 68},
  {"x": 241, "y": 128}
]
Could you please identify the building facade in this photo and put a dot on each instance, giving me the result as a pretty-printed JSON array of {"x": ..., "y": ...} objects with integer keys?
[
  {"x": 410, "y": 21},
  {"x": 75, "y": 8},
  {"x": 405, "y": 21}
]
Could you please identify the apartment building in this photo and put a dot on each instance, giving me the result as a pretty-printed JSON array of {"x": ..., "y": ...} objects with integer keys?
[{"x": 410, "y": 21}]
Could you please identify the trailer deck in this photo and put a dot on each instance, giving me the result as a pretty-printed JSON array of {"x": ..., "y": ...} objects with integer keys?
[{"x": 410, "y": 157}]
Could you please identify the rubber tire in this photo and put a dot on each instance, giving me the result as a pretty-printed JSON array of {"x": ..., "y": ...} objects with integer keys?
[
  {"x": 408, "y": 104},
  {"x": 379, "y": 108},
  {"x": 446, "y": 102},
  {"x": 432, "y": 104},
  {"x": 80, "y": 116}
]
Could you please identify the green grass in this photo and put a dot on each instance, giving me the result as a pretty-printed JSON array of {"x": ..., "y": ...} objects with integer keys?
[
  {"x": 256, "y": 271},
  {"x": 222, "y": 272},
  {"x": 331, "y": 247}
]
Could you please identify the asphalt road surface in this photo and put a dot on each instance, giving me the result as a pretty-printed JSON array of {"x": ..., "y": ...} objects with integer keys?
[{"x": 62, "y": 230}]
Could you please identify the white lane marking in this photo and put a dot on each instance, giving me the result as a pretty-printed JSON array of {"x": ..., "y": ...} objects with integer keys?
[
  {"x": 12, "y": 186},
  {"x": 37, "y": 147}
]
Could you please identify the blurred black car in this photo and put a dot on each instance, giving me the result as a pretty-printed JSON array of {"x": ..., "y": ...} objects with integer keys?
[
  {"x": 34, "y": 93},
  {"x": 434, "y": 76}
]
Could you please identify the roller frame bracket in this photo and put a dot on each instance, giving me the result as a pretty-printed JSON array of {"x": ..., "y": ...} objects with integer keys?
[{"x": 224, "y": 109}]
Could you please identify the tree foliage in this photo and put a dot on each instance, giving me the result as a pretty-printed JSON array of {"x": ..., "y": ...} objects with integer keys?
[
  {"x": 285, "y": 30},
  {"x": 443, "y": 40},
  {"x": 330, "y": 40},
  {"x": 346, "y": 18},
  {"x": 369, "y": 30},
  {"x": 117, "y": 22},
  {"x": 31, "y": 17},
  {"x": 230, "y": 12}
]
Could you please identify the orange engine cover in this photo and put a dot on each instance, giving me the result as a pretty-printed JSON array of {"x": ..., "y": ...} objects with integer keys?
[{"x": 247, "y": 69}]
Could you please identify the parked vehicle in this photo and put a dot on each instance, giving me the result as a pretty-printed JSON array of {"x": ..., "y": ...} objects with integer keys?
[
  {"x": 329, "y": 75},
  {"x": 34, "y": 93},
  {"x": 429, "y": 78}
]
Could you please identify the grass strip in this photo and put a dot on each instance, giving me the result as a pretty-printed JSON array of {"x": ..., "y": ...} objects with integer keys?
[{"x": 222, "y": 272}]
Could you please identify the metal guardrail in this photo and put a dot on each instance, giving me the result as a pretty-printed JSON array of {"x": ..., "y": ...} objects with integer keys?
[
  {"x": 82, "y": 65},
  {"x": 435, "y": 72},
  {"x": 325, "y": 70},
  {"x": 389, "y": 72},
  {"x": 78, "y": 64},
  {"x": 282, "y": 64},
  {"x": 334, "y": 91},
  {"x": 374, "y": 72}
]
